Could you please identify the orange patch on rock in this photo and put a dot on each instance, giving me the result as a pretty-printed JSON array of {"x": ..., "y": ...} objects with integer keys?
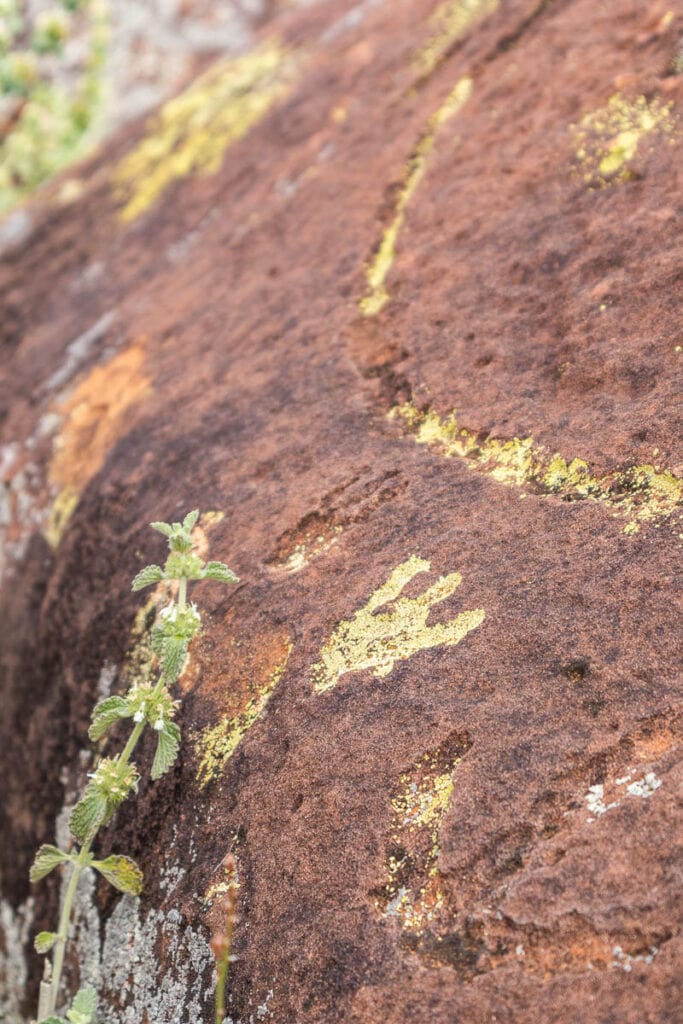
[
  {"x": 233, "y": 680},
  {"x": 95, "y": 417}
]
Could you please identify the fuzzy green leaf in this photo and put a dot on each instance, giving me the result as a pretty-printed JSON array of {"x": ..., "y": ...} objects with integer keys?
[
  {"x": 190, "y": 519},
  {"x": 167, "y": 749},
  {"x": 46, "y": 860},
  {"x": 52, "y": 1020},
  {"x": 90, "y": 812},
  {"x": 219, "y": 571},
  {"x": 173, "y": 657},
  {"x": 83, "y": 1007},
  {"x": 44, "y": 941},
  {"x": 106, "y": 713},
  {"x": 164, "y": 528},
  {"x": 157, "y": 640},
  {"x": 147, "y": 576},
  {"x": 122, "y": 872}
]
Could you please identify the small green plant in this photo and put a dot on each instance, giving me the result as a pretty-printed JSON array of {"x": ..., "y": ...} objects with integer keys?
[
  {"x": 116, "y": 778},
  {"x": 48, "y": 103}
]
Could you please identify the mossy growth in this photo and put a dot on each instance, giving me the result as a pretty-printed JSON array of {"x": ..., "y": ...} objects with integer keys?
[
  {"x": 450, "y": 22},
  {"x": 640, "y": 493},
  {"x": 413, "y": 890},
  {"x": 192, "y": 132},
  {"x": 390, "y": 628},
  {"x": 45, "y": 123},
  {"x": 607, "y": 140}
]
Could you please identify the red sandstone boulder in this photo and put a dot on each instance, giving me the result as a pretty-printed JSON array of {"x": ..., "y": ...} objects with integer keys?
[{"x": 397, "y": 297}]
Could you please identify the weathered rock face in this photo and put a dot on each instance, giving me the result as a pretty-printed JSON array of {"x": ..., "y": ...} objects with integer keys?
[{"x": 398, "y": 296}]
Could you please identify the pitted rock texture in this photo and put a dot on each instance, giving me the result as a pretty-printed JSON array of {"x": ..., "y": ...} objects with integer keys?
[{"x": 399, "y": 303}]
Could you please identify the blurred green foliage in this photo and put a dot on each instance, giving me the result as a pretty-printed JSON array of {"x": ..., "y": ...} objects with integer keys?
[{"x": 51, "y": 89}]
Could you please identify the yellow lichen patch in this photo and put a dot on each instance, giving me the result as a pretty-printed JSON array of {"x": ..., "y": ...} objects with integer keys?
[
  {"x": 62, "y": 509},
  {"x": 192, "y": 132},
  {"x": 376, "y": 640},
  {"x": 608, "y": 139},
  {"x": 412, "y": 891},
  {"x": 639, "y": 493},
  {"x": 211, "y": 519},
  {"x": 226, "y": 883},
  {"x": 378, "y": 268},
  {"x": 94, "y": 416},
  {"x": 216, "y": 744},
  {"x": 451, "y": 20}
]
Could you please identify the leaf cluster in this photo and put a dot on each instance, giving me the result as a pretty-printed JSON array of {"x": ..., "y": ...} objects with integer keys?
[
  {"x": 182, "y": 562},
  {"x": 82, "y": 1010},
  {"x": 171, "y": 638},
  {"x": 121, "y": 872},
  {"x": 110, "y": 784}
]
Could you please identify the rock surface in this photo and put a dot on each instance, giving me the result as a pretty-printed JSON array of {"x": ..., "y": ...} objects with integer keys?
[{"x": 397, "y": 296}]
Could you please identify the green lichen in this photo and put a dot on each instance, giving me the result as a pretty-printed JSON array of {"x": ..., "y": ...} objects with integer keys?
[
  {"x": 413, "y": 890},
  {"x": 607, "y": 140},
  {"x": 450, "y": 21},
  {"x": 377, "y": 270},
  {"x": 62, "y": 509},
  {"x": 192, "y": 132},
  {"x": 375, "y": 640},
  {"x": 641, "y": 494}
]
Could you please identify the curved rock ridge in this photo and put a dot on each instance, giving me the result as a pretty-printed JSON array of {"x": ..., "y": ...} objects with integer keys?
[{"x": 396, "y": 296}]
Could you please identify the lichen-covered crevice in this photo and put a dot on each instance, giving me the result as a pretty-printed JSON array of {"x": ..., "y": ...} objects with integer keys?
[
  {"x": 421, "y": 898},
  {"x": 450, "y": 22},
  {"x": 379, "y": 266},
  {"x": 608, "y": 140},
  {"x": 192, "y": 132},
  {"x": 641, "y": 494},
  {"x": 470, "y": 921},
  {"x": 376, "y": 640},
  {"x": 412, "y": 892}
]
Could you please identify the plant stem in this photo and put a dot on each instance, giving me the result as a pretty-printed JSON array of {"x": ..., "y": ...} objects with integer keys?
[
  {"x": 223, "y": 967},
  {"x": 64, "y": 921},
  {"x": 81, "y": 863},
  {"x": 220, "y": 988}
]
